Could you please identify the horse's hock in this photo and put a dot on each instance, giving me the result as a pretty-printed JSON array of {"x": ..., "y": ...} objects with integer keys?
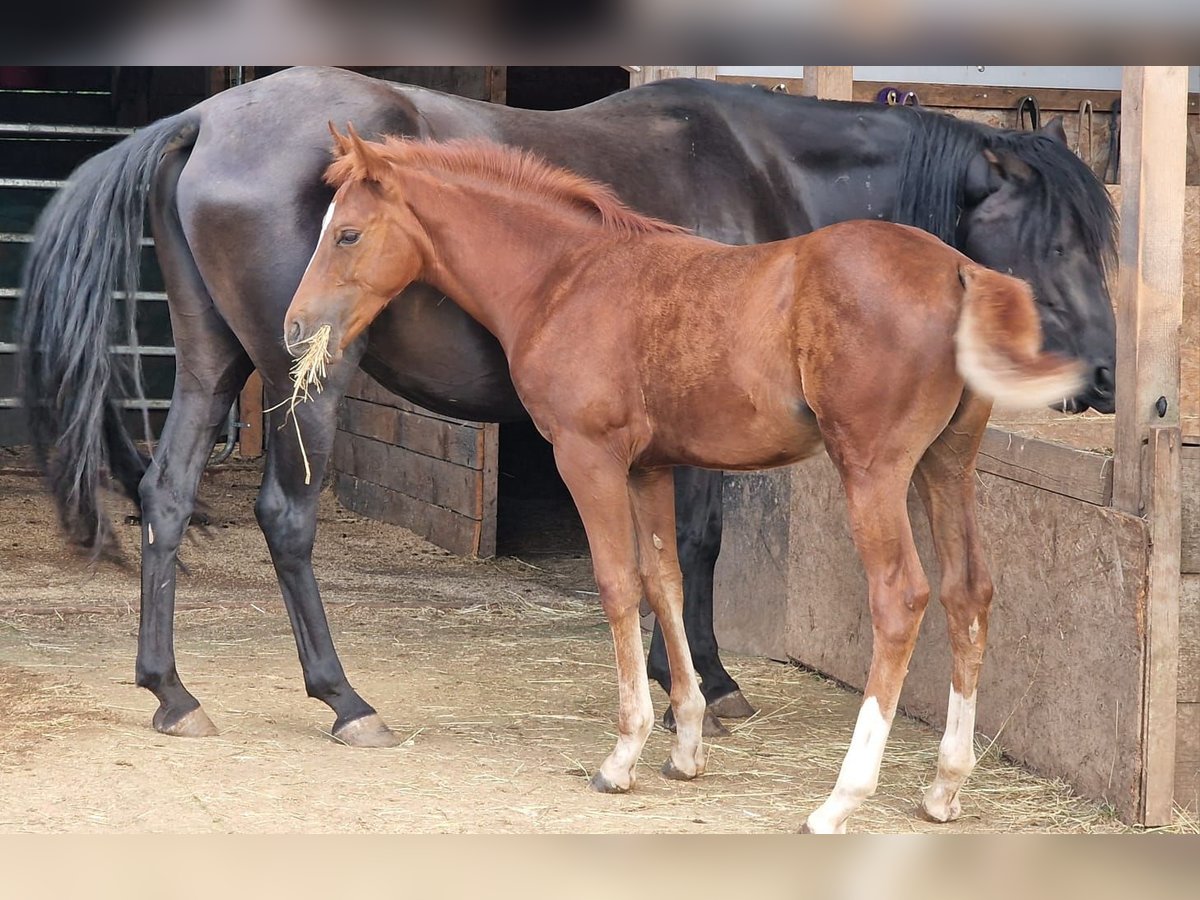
[{"x": 1065, "y": 685}]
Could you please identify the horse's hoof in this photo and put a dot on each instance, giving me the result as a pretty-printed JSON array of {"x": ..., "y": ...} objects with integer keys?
[
  {"x": 195, "y": 723},
  {"x": 367, "y": 731},
  {"x": 811, "y": 827},
  {"x": 935, "y": 810},
  {"x": 712, "y": 725},
  {"x": 601, "y": 785},
  {"x": 672, "y": 771},
  {"x": 732, "y": 706}
]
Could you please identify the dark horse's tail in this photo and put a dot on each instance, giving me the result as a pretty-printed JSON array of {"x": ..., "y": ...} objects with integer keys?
[{"x": 86, "y": 247}]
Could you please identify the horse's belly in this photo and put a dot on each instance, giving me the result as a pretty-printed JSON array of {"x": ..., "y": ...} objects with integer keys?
[{"x": 775, "y": 436}]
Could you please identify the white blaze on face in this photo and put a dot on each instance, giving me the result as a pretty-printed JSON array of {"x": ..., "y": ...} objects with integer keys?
[
  {"x": 320, "y": 237},
  {"x": 860, "y": 771}
]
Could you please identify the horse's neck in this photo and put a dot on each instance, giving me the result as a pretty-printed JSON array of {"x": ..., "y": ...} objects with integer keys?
[
  {"x": 492, "y": 255},
  {"x": 839, "y": 161}
]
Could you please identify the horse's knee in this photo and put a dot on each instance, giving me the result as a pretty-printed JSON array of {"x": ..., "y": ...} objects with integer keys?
[
  {"x": 288, "y": 530},
  {"x": 619, "y": 592},
  {"x": 896, "y": 613},
  {"x": 164, "y": 517}
]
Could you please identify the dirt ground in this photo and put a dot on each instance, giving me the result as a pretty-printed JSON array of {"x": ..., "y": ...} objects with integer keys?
[{"x": 497, "y": 674}]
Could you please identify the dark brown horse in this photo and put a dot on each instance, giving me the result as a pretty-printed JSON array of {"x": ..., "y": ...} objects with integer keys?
[
  {"x": 636, "y": 347},
  {"x": 235, "y": 196}
]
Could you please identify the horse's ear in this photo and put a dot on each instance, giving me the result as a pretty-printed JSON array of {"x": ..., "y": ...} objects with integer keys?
[
  {"x": 341, "y": 143},
  {"x": 1055, "y": 129},
  {"x": 368, "y": 156},
  {"x": 987, "y": 171}
]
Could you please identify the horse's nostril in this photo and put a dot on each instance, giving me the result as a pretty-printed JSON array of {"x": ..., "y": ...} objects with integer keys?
[
  {"x": 1102, "y": 380},
  {"x": 293, "y": 333}
]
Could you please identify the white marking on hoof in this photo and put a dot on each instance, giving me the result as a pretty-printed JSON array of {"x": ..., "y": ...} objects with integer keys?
[{"x": 956, "y": 759}]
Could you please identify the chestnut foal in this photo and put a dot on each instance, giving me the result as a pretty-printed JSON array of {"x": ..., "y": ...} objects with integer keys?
[{"x": 636, "y": 347}]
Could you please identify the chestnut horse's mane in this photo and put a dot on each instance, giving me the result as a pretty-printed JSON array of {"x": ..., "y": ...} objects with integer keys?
[{"x": 508, "y": 167}]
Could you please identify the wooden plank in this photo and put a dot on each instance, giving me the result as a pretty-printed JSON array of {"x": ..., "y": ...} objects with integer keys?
[
  {"x": 444, "y": 527},
  {"x": 1189, "y": 529},
  {"x": 829, "y": 82},
  {"x": 433, "y": 481},
  {"x": 645, "y": 74},
  {"x": 421, "y": 434},
  {"x": 1187, "y": 758},
  {"x": 250, "y": 414},
  {"x": 1189, "y": 639},
  {"x": 496, "y": 82},
  {"x": 964, "y": 96},
  {"x": 1080, "y": 474},
  {"x": 1150, "y": 278},
  {"x": 363, "y": 387},
  {"x": 1162, "y": 630}
]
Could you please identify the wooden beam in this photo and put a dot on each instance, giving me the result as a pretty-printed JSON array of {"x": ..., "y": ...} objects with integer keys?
[
  {"x": 645, "y": 74},
  {"x": 829, "y": 82},
  {"x": 1163, "y": 588},
  {"x": 1150, "y": 279},
  {"x": 1079, "y": 474}
]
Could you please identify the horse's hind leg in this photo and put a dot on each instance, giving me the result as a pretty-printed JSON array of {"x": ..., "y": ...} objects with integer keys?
[
  {"x": 287, "y": 513},
  {"x": 898, "y": 593},
  {"x": 599, "y": 485},
  {"x": 210, "y": 367},
  {"x": 946, "y": 482},
  {"x": 698, "y": 534},
  {"x": 653, "y": 499}
]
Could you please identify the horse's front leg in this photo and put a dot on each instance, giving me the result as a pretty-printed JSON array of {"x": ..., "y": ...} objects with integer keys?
[
  {"x": 287, "y": 513},
  {"x": 599, "y": 486}
]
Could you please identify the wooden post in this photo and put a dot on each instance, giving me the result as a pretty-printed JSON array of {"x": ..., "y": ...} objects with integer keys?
[
  {"x": 1150, "y": 279},
  {"x": 644, "y": 74},
  {"x": 496, "y": 81},
  {"x": 250, "y": 415},
  {"x": 1146, "y": 455},
  {"x": 1163, "y": 589},
  {"x": 829, "y": 82}
]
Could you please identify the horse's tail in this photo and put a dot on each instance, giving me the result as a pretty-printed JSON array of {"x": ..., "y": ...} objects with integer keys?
[
  {"x": 999, "y": 341},
  {"x": 86, "y": 247}
]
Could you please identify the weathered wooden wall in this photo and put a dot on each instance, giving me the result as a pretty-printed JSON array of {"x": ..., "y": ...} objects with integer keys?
[
  {"x": 394, "y": 461},
  {"x": 1187, "y": 727},
  {"x": 1063, "y": 679}
]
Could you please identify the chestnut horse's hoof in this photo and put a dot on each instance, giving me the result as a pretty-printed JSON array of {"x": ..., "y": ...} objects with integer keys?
[
  {"x": 670, "y": 770},
  {"x": 933, "y": 809},
  {"x": 712, "y": 725},
  {"x": 601, "y": 785},
  {"x": 732, "y": 706},
  {"x": 195, "y": 723},
  {"x": 366, "y": 731}
]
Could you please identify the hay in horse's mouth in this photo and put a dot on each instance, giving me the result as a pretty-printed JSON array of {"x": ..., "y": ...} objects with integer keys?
[{"x": 308, "y": 372}]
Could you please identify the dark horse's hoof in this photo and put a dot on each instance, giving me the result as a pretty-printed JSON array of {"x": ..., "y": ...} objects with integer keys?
[
  {"x": 195, "y": 723},
  {"x": 367, "y": 731},
  {"x": 712, "y": 725},
  {"x": 732, "y": 706},
  {"x": 602, "y": 785}
]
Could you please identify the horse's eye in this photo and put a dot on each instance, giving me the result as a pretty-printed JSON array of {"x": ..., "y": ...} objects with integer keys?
[{"x": 346, "y": 238}]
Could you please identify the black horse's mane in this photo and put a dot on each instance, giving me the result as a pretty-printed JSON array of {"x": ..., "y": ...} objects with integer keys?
[{"x": 933, "y": 170}]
